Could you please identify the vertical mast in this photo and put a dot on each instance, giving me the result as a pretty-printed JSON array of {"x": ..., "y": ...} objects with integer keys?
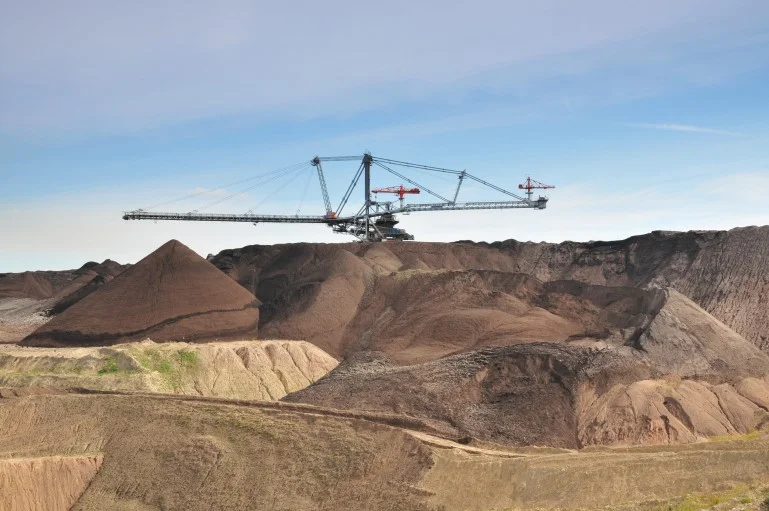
[
  {"x": 323, "y": 188},
  {"x": 367, "y": 198}
]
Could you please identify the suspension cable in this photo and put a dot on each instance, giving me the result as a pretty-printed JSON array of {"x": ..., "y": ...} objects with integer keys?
[
  {"x": 495, "y": 187},
  {"x": 421, "y": 187},
  {"x": 298, "y": 168},
  {"x": 350, "y": 188},
  {"x": 304, "y": 193},
  {"x": 279, "y": 189},
  {"x": 223, "y": 187},
  {"x": 416, "y": 165}
]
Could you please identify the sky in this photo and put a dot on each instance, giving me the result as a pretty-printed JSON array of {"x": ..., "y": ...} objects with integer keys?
[{"x": 645, "y": 116}]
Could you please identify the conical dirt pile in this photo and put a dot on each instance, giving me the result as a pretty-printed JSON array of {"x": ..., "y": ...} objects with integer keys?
[{"x": 172, "y": 294}]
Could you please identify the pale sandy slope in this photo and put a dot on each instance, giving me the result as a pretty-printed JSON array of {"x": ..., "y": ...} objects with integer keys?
[
  {"x": 263, "y": 370},
  {"x": 45, "y": 483}
]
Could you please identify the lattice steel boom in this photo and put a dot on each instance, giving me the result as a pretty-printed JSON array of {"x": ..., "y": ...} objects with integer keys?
[{"x": 374, "y": 221}]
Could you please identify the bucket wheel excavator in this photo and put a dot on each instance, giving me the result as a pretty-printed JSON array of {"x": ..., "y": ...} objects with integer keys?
[{"x": 375, "y": 220}]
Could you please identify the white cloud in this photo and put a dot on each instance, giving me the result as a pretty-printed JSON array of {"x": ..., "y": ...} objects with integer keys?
[{"x": 685, "y": 128}]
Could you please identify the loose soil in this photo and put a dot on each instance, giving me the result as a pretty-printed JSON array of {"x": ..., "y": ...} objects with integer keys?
[{"x": 172, "y": 294}]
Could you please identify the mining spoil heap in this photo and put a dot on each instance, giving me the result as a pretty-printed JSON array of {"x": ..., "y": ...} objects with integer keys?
[
  {"x": 313, "y": 291},
  {"x": 472, "y": 377},
  {"x": 27, "y": 300},
  {"x": 172, "y": 294},
  {"x": 567, "y": 345}
]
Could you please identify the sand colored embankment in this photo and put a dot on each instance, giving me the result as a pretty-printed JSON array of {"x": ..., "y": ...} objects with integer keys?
[
  {"x": 262, "y": 370},
  {"x": 46, "y": 483}
]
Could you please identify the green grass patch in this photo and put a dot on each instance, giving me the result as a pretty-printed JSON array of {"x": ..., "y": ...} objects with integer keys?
[
  {"x": 172, "y": 365},
  {"x": 753, "y": 435},
  {"x": 698, "y": 501},
  {"x": 254, "y": 424},
  {"x": 110, "y": 366},
  {"x": 188, "y": 359}
]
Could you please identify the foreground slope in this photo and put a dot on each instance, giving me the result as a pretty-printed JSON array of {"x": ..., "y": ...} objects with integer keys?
[
  {"x": 172, "y": 294},
  {"x": 46, "y": 482},
  {"x": 182, "y": 453}
]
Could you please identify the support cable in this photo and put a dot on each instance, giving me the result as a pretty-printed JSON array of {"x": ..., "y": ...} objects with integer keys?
[
  {"x": 279, "y": 189},
  {"x": 433, "y": 175},
  {"x": 495, "y": 187},
  {"x": 421, "y": 187},
  {"x": 350, "y": 189},
  {"x": 223, "y": 187},
  {"x": 304, "y": 193},
  {"x": 255, "y": 185},
  {"x": 417, "y": 165}
]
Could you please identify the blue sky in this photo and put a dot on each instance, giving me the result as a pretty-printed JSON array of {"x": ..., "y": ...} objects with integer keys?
[{"x": 645, "y": 116}]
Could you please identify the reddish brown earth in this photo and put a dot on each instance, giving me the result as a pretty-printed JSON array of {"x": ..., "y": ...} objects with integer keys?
[
  {"x": 312, "y": 291},
  {"x": 42, "y": 285},
  {"x": 679, "y": 376},
  {"x": 29, "y": 299},
  {"x": 569, "y": 345},
  {"x": 172, "y": 294}
]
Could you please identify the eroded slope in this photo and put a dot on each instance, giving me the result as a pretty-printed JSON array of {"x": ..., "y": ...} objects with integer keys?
[
  {"x": 262, "y": 370},
  {"x": 680, "y": 376}
]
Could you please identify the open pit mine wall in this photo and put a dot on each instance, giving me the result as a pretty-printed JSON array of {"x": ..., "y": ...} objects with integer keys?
[{"x": 724, "y": 272}]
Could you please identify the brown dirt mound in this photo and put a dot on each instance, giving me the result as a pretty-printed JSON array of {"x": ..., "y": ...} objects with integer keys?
[
  {"x": 27, "y": 300},
  {"x": 345, "y": 304},
  {"x": 724, "y": 272},
  {"x": 317, "y": 305},
  {"x": 578, "y": 392},
  {"x": 172, "y": 294},
  {"x": 43, "y": 285},
  {"x": 25, "y": 285},
  {"x": 415, "y": 316},
  {"x": 667, "y": 412},
  {"x": 710, "y": 267}
]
